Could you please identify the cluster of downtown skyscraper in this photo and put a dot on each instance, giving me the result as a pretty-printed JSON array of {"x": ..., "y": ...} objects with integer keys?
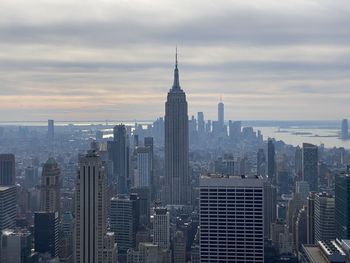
[{"x": 180, "y": 190}]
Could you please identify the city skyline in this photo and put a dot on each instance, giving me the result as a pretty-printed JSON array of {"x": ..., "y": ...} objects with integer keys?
[
  {"x": 112, "y": 61},
  {"x": 175, "y": 190}
]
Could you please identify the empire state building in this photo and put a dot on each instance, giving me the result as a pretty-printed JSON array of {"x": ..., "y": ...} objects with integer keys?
[{"x": 176, "y": 144}]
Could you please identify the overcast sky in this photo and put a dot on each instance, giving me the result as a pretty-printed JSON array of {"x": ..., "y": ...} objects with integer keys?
[{"x": 114, "y": 59}]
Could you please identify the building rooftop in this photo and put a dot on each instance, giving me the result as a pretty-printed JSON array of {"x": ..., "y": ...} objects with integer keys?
[
  {"x": 330, "y": 248},
  {"x": 324, "y": 252},
  {"x": 4, "y": 188},
  {"x": 220, "y": 180}
]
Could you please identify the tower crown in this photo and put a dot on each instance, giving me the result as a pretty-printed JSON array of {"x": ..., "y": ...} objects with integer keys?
[{"x": 176, "y": 84}]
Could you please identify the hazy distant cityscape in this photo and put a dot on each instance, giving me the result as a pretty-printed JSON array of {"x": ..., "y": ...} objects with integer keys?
[
  {"x": 188, "y": 131},
  {"x": 177, "y": 189}
]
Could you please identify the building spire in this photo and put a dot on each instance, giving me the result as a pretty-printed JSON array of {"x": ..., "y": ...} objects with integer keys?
[
  {"x": 176, "y": 57},
  {"x": 176, "y": 85}
]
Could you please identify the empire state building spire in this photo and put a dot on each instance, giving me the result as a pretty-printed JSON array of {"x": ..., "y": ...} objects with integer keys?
[
  {"x": 176, "y": 85},
  {"x": 176, "y": 188}
]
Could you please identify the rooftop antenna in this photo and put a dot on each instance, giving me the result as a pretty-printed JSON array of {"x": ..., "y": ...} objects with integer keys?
[{"x": 176, "y": 56}]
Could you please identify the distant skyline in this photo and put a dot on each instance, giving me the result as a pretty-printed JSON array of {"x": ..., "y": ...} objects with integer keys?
[{"x": 110, "y": 60}]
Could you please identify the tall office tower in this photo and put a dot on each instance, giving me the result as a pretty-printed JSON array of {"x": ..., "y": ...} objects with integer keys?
[
  {"x": 161, "y": 227},
  {"x": 270, "y": 205},
  {"x": 301, "y": 229},
  {"x": 123, "y": 222},
  {"x": 298, "y": 162},
  {"x": 271, "y": 162},
  {"x": 342, "y": 205},
  {"x": 148, "y": 142},
  {"x": 310, "y": 218},
  {"x": 195, "y": 257},
  {"x": 50, "y": 130},
  {"x": 324, "y": 217},
  {"x": 144, "y": 204},
  {"x": 144, "y": 167},
  {"x": 179, "y": 247},
  {"x": 136, "y": 142},
  {"x": 50, "y": 187},
  {"x": 310, "y": 165},
  {"x": 231, "y": 219},
  {"x": 201, "y": 123},
  {"x": 118, "y": 151},
  {"x": 7, "y": 207},
  {"x": 208, "y": 126},
  {"x": 66, "y": 240},
  {"x": 235, "y": 130},
  {"x": 46, "y": 233},
  {"x": 344, "y": 129},
  {"x": 15, "y": 246},
  {"x": 261, "y": 163},
  {"x": 90, "y": 209},
  {"x": 192, "y": 125},
  {"x": 110, "y": 250},
  {"x": 176, "y": 145},
  {"x": 7, "y": 169},
  {"x": 221, "y": 119}
]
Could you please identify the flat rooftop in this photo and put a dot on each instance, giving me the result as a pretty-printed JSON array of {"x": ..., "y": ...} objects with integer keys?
[
  {"x": 314, "y": 253},
  {"x": 217, "y": 180}
]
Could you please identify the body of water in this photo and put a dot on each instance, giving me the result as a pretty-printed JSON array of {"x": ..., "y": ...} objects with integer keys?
[{"x": 298, "y": 135}]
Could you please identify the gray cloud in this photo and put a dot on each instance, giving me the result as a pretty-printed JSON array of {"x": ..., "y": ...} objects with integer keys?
[{"x": 274, "y": 59}]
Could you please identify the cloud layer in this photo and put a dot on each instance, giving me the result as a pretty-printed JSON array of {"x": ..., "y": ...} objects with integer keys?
[{"x": 97, "y": 60}]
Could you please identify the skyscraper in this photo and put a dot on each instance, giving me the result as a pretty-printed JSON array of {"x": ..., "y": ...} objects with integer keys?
[
  {"x": 235, "y": 130},
  {"x": 201, "y": 123},
  {"x": 261, "y": 163},
  {"x": 231, "y": 219},
  {"x": 50, "y": 187},
  {"x": 7, "y": 207},
  {"x": 144, "y": 199},
  {"x": 118, "y": 151},
  {"x": 67, "y": 226},
  {"x": 179, "y": 247},
  {"x": 110, "y": 250},
  {"x": 90, "y": 209},
  {"x": 148, "y": 142},
  {"x": 161, "y": 227},
  {"x": 344, "y": 129},
  {"x": 310, "y": 165},
  {"x": 144, "y": 167},
  {"x": 301, "y": 229},
  {"x": 298, "y": 162},
  {"x": 310, "y": 218},
  {"x": 221, "y": 119},
  {"x": 271, "y": 162},
  {"x": 15, "y": 246},
  {"x": 342, "y": 205},
  {"x": 324, "y": 217},
  {"x": 176, "y": 144},
  {"x": 123, "y": 220},
  {"x": 50, "y": 130},
  {"x": 46, "y": 233},
  {"x": 7, "y": 169},
  {"x": 270, "y": 207}
]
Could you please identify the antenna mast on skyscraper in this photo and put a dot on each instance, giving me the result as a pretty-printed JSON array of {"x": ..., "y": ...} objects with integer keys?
[{"x": 176, "y": 56}]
